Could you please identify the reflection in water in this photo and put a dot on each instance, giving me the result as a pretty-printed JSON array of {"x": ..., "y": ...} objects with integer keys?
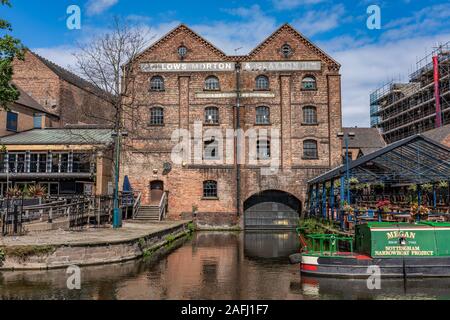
[{"x": 211, "y": 266}]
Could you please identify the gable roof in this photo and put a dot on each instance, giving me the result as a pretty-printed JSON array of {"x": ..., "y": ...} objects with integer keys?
[
  {"x": 417, "y": 159},
  {"x": 181, "y": 28},
  {"x": 300, "y": 36},
  {"x": 365, "y": 138},
  {"x": 27, "y": 101},
  {"x": 439, "y": 134},
  {"x": 71, "y": 77}
]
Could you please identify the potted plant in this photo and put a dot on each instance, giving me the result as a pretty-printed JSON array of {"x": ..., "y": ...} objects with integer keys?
[
  {"x": 36, "y": 191},
  {"x": 443, "y": 185},
  {"x": 14, "y": 192},
  {"x": 384, "y": 206},
  {"x": 421, "y": 212},
  {"x": 427, "y": 187}
]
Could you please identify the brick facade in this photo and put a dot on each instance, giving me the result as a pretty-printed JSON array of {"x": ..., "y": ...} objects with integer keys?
[
  {"x": 60, "y": 91},
  {"x": 182, "y": 105}
]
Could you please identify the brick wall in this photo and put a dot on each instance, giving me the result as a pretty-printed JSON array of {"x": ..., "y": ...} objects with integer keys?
[
  {"x": 150, "y": 147},
  {"x": 72, "y": 103}
]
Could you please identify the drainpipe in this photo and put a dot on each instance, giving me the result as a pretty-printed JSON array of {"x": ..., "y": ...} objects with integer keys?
[{"x": 238, "y": 138}]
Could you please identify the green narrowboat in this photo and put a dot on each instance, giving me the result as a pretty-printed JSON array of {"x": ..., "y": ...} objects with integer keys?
[{"x": 394, "y": 249}]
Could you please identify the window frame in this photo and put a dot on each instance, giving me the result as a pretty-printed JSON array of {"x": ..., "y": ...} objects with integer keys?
[
  {"x": 307, "y": 117},
  {"x": 259, "y": 117},
  {"x": 162, "y": 87},
  {"x": 14, "y": 122},
  {"x": 215, "y": 146},
  {"x": 210, "y": 189},
  {"x": 217, "y": 81},
  {"x": 259, "y": 148},
  {"x": 215, "y": 117},
  {"x": 314, "y": 81},
  {"x": 307, "y": 156},
  {"x": 160, "y": 117},
  {"x": 257, "y": 82}
]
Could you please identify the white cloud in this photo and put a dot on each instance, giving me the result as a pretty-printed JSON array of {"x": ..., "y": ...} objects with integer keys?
[
  {"x": 291, "y": 4},
  {"x": 367, "y": 67},
  {"x": 319, "y": 21},
  {"x": 94, "y": 7},
  {"x": 62, "y": 55}
]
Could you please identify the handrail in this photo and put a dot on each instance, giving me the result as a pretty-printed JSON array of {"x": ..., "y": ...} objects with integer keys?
[
  {"x": 162, "y": 206},
  {"x": 137, "y": 205}
]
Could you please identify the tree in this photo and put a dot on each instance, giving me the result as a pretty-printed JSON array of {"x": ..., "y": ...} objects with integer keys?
[
  {"x": 105, "y": 63},
  {"x": 10, "y": 48}
]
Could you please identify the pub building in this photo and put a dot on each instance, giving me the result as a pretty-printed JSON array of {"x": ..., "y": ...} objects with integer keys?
[{"x": 285, "y": 85}]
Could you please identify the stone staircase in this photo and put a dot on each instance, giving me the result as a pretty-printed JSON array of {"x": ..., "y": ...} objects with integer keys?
[{"x": 148, "y": 213}]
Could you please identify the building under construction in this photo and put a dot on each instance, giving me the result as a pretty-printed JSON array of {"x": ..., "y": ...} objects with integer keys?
[{"x": 401, "y": 110}]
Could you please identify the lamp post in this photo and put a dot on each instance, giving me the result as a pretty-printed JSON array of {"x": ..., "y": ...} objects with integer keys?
[
  {"x": 117, "y": 218},
  {"x": 346, "y": 136}
]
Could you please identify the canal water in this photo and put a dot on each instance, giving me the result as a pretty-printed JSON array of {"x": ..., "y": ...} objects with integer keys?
[{"x": 213, "y": 265}]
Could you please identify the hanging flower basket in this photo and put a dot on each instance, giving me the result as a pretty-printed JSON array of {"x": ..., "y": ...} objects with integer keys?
[
  {"x": 419, "y": 211},
  {"x": 384, "y": 206}
]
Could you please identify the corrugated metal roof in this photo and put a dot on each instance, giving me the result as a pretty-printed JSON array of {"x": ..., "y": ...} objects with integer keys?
[{"x": 60, "y": 137}]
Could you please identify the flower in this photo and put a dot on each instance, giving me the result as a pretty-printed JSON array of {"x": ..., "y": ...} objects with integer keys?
[
  {"x": 417, "y": 210},
  {"x": 384, "y": 205}
]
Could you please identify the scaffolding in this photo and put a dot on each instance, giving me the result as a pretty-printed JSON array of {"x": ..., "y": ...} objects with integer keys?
[{"x": 401, "y": 110}]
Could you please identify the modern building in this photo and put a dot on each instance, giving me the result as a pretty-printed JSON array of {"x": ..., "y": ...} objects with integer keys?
[
  {"x": 61, "y": 92},
  {"x": 67, "y": 161},
  {"x": 26, "y": 114},
  {"x": 401, "y": 110},
  {"x": 284, "y": 98}
]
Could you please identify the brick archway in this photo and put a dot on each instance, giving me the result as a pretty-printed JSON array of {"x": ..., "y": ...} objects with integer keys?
[{"x": 272, "y": 209}]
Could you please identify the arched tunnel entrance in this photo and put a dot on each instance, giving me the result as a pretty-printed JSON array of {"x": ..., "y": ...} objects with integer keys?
[{"x": 272, "y": 210}]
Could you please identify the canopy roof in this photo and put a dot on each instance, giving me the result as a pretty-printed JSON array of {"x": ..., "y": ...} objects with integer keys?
[{"x": 414, "y": 160}]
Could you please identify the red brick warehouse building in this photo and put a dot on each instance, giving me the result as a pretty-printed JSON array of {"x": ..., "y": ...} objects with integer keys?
[{"x": 286, "y": 84}]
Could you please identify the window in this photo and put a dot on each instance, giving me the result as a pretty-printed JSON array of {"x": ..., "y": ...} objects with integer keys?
[
  {"x": 157, "y": 84},
  {"x": 310, "y": 149},
  {"x": 309, "y": 115},
  {"x": 262, "y": 83},
  {"x": 263, "y": 149},
  {"x": 212, "y": 83},
  {"x": 16, "y": 162},
  {"x": 262, "y": 115},
  {"x": 37, "y": 121},
  {"x": 38, "y": 162},
  {"x": 286, "y": 50},
  {"x": 212, "y": 115},
  {"x": 81, "y": 163},
  {"x": 182, "y": 52},
  {"x": 11, "y": 121},
  {"x": 211, "y": 149},
  {"x": 309, "y": 83},
  {"x": 210, "y": 189},
  {"x": 156, "y": 116}
]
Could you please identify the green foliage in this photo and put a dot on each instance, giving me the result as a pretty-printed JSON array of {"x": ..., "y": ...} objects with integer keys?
[
  {"x": 443, "y": 185},
  {"x": 314, "y": 226},
  {"x": 10, "y": 48},
  {"x": 36, "y": 191},
  {"x": 427, "y": 187},
  {"x": 191, "y": 227}
]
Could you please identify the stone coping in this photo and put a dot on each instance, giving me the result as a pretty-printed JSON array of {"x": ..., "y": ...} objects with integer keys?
[{"x": 130, "y": 232}]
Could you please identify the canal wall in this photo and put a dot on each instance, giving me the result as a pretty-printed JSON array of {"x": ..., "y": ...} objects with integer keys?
[
  {"x": 207, "y": 221},
  {"x": 85, "y": 253}
]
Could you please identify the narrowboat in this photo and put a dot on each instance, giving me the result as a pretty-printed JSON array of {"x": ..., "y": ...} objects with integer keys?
[{"x": 395, "y": 250}]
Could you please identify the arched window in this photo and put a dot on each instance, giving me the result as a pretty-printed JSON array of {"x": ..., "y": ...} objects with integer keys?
[
  {"x": 310, "y": 149},
  {"x": 157, "y": 84},
  {"x": 262, "y": 115},
  {"x": 286, "y": 50},
  {"x": 309, "y": 115},
  {"x": 211, "y": 149},
  {"x": 212, "y": 83},
  {"x": 262, "y": 83},
  {"x": 210, "y": 189},
  {"x": 309, "y": 83},
  {"x": 212, "y": 115},
  {"x": 263, "y": 149},
  {"x": 156, "y": 116}
]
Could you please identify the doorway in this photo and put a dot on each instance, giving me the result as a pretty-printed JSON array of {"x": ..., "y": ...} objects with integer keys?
[{"x": 156, "y": 192}]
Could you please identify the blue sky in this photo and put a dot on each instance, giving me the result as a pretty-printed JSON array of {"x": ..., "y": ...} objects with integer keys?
[{"x": 409, "y": 29}]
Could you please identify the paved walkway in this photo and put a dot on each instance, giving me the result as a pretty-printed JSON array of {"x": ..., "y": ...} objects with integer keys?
[{"x": 130, "y": 231}]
